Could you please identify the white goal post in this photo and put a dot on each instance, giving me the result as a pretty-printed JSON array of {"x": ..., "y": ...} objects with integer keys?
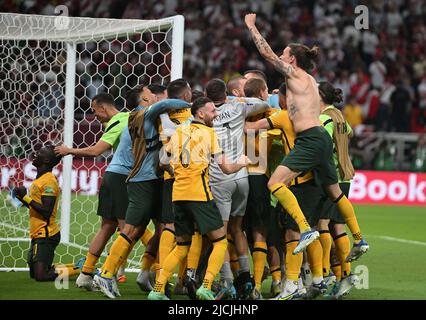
[{"x": 50, "y": 68}]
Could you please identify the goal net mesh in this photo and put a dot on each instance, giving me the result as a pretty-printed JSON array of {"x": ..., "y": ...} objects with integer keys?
[{"x": 111, "y": 56}]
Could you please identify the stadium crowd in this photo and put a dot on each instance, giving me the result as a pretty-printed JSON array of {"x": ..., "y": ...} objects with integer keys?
[{"x": 382, "y": 70}]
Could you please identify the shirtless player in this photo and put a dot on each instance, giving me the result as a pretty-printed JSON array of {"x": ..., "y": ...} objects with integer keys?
[{"x": 313, "y": 148}]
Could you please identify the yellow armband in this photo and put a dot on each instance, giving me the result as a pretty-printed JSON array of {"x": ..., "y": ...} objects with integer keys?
[{"x": 27, "y": 199}]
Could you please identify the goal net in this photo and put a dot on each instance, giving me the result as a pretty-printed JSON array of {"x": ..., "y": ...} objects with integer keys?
[{"x": 50, "y": 68}]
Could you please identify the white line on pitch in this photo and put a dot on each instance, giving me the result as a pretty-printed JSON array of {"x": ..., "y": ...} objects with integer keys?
[{"x": 420, "y": 243}]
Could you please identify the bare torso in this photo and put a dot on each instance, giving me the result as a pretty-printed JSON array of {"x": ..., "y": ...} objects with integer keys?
[{"x": 303, "y": 101}]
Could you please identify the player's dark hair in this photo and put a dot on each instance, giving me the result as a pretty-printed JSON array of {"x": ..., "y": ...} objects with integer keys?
[
  {"x": 133, "y": 97},
  {"x": 282, "y": 90},
  {"x": 254, "y": 87},
  {"x": 176, "y": 89},
  {"x": 199, "y": 103},
  {"x": 104, "y": 99},
  {"x": 233, "y": 84},
  {"x": 305, "y": 57},
  {"x": 330, "y": 94},
  {"x": 53, "y": 158},
  {"x": 216, "y": 90},
  {"x": 197, "y": 94},
  {"x": 156, "y": 88},
  {"x": 260, "y": 73}
]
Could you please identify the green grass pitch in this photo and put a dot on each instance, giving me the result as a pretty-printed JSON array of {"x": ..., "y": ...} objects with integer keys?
[{"x": 395, "y": 262}]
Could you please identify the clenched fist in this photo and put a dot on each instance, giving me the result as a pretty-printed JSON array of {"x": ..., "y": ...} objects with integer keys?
[
  {"x": 20, "y": 192},
  {"x": 250, "y": 19}
]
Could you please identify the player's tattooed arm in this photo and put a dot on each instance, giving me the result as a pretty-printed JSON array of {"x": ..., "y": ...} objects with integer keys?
[{"x": 265, "y": 49}]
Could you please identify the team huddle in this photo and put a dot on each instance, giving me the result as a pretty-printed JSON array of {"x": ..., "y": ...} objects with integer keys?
[{"x": 222, "y": 174}]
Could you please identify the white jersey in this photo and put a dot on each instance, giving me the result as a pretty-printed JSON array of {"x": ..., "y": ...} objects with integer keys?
[{"x": 229, "y": 127}]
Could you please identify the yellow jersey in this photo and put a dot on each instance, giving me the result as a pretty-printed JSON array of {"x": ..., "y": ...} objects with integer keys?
[
  {"x": 280, "y": 120},
  {"x": 191, "y": 148},
  {"x": 260, "y": 157},
  {"x": 46, "y": 185},
  {"x": 177, "y": 116}
]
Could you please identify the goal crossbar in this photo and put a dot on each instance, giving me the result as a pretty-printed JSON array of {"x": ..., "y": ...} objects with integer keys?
[
  {"x": 103, "y": 55},
  {"x": 69, "y": 29}
]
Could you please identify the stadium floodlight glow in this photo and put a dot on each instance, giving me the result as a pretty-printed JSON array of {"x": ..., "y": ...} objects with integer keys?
[{"x": 49, "y": 71}]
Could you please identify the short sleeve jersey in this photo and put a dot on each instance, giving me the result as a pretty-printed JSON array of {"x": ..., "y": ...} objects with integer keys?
[
  {"x": 114, "y": 128},
  {"x": 192, "y": 149},
  {"x": 178, "y": 117}
]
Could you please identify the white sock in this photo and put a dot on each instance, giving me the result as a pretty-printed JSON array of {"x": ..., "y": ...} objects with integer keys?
[
  {"x": 244, "y": 264},
  {"x": 226, "y": 273}
]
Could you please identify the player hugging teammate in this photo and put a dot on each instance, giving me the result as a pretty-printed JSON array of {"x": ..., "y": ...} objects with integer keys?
[{"x": 232, "y": 173}]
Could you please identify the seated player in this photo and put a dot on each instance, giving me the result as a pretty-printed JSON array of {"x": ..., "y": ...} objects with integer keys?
[{"x": 43, "y": 204}]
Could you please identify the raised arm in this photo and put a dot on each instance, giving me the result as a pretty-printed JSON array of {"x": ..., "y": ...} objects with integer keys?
[{"x": 264, "y": 48}]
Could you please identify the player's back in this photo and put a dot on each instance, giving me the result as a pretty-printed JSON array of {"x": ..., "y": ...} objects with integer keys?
[
  {"x": 258, "y": 146},
  {"x": 178, "y": 117},
  {"x": 192, "y": 147},
  {"x": 123, "y": 160},
  {"x": 229, "y": 127}
]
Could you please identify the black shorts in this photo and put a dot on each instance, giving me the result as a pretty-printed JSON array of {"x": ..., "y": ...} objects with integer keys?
[
  {"x": 313, "y": 150},
  {"x": 308, "y": 195},
  {"x": 204, "y": 214},
  {"x": 329, "y": 209},
  {"x": 144, "y": 202},
  {"x": 258, "y": 211},
  {"x": 43, "y": 250},
  {"x": 167, "y": 214},
  {"x": 276, "y": 226},
  {"x": 113, "y": 198}
]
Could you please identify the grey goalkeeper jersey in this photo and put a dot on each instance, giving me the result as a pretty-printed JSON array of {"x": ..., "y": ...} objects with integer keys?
[{"x": 229, "y": 127}]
